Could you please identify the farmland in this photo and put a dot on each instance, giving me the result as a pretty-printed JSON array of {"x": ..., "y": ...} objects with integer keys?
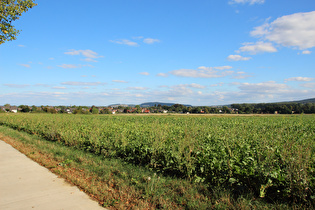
[{"x": 271, "y": 156}]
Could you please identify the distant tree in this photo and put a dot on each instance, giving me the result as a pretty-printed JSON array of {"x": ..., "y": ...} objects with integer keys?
[
  {"x": 138, "y": 109},
  {"x": 226, "y": 110},
  {"x": 94, "y": 110},
  {"x": 11, "y": 10},
  {"x": 81, "y": 110},
  {"x": 196, "y": 109},
  {"x": 34, "y": 108},
  {"x": 24, "y": 108},
  {"x": 105, "y": 111},
  {"x": 52, "y": 110},
  {"x": 165, "y": 107}
]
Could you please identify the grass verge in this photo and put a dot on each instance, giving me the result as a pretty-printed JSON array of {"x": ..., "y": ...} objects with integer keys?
[{"x": 119, "y": 185}]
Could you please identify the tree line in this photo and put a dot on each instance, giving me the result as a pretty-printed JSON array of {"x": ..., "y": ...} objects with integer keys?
[
  {"x": 272, "y": 108},
  {"x": 260, "y": 108}
]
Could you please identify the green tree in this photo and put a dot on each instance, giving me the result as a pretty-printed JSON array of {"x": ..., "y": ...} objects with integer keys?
[
  {"x": 34, "y": 108},
  {"x": 225, "y": 109},
  {"x": 24, "y": 108},
  {"x": 94, "y": 110},
  {"x": 105, "y": 111},
  {"x": 11, "y": 10},
  {"x": 138, "y": 109}
]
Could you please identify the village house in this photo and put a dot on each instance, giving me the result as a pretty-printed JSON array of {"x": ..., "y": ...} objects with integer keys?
[{"x": 13, "y": 109}]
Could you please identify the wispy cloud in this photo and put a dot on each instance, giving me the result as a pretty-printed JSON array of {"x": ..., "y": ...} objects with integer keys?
[
  {"x": 125, "y": 42},
  {"x": 89, "y": 55},
  {"x": 16, "y": 85},
  {"x": 238, "y": 58},
  {"x": 144, "y": 73},
  {"x": 299, "y": 79},
  {"x": 137, "y": 88},
  {"x": 150, "y": 40},
  {"x": 217, "y": 84},
  {"x": 42, "y": 85},
  {"x": 308, "y": 85},
  {"x": 251, "y": 2},
  {"x": 25, "y": 65},
  {"x": 240, "y": 75},
  {"x": 59, "y": 87},
  {"x": 263, "y": 87},
  {"x": 194, "y": 85},
  {"x": 258, "y": 47},
  {"x": 73, "y": 66},
  {"x": 83, "y": 83},
  {"x": 306, "y": 52},
  {"x": 203, "y": 72},
  {"x": 20, "y": 45},
  {"x": 296, "y": 30},
  {"x": 162, "y": 75},
  {"x": 135, "y": 44},
  {"x": 119, "y": 81}
]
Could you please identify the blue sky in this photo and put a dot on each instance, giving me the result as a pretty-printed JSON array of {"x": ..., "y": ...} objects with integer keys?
[{"x": 203, "y": 52}]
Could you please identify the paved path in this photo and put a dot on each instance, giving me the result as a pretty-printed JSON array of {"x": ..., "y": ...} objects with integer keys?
[{"x": 24, "y": 184}]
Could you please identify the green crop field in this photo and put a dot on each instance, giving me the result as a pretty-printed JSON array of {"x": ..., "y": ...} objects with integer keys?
[{"x": 271, "y": 156}]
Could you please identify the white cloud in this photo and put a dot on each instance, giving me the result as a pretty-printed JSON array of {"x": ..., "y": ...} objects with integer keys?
[
  {"x": 306, "y": 52},
  {"x": 69, "y": 66},
  {"x": 238, "y": 58},
  {"x": 16, "y": 85},
  {"x": 137, "y": 88},
  {"x": 119, "y": 81},
  {"x": 162, "y": 75},
  {"x": 258, "y": 47},
  {"x": 89, "y": 55},
  {"x": 83, "y": 83},
  {"x": 299, "y": 79},
  {"x": 150, "y": 40},
  {"x": 203, "y": 72},
  {"x": 144, "y": 73},
  {"x": 247, "y": 1},
  {"x": 308, "y": 85},
  {"x": 263, "y": 87},
  {"x": 139, "y": 95},
  {"x": 217, "y": 67},
  {"x": 240, "y": 75},
  {"x": 25, "y": 65},
  {"x": 125, "y": 42},
  {"x": 42, "y": 85},
  {"x": 20, "y": 45},
  {"x": 194, "y": 85},
  {"x": 72, "y": 66},
  {"x": 137, "y": 37},
  {"x": 296, "y": 30},
  {"x": 59, "y": 87},
  {"x": 217, "y": 84}
]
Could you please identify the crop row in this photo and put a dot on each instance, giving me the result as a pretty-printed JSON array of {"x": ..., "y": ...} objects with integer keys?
[{"x": 271, "y": 156}]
